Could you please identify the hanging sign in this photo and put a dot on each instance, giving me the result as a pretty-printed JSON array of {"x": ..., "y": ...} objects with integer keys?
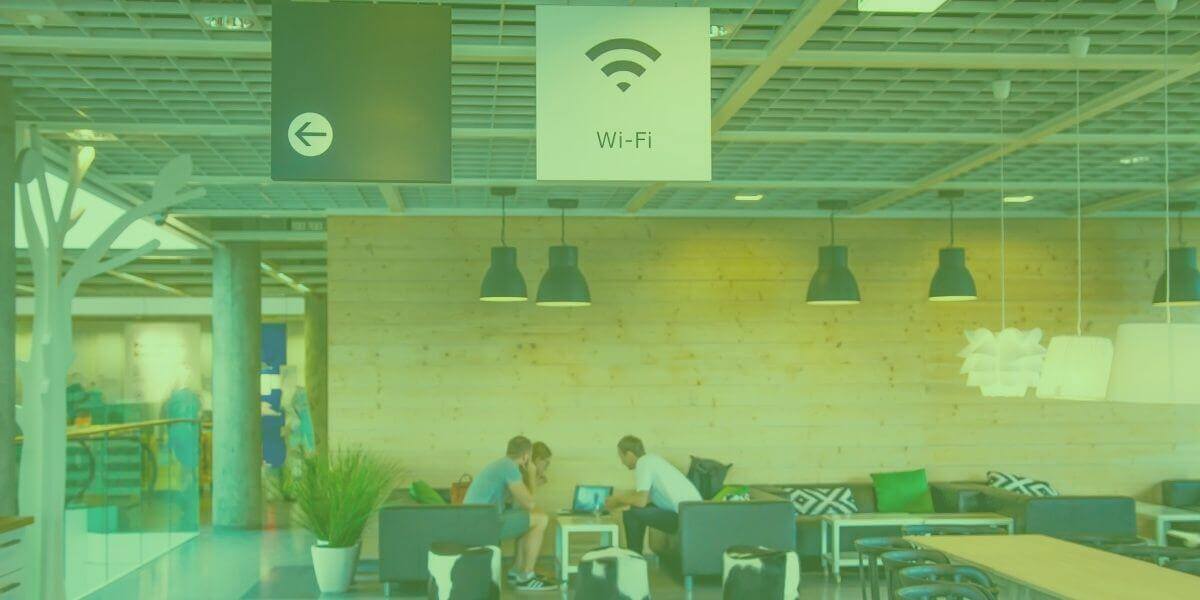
[
  {"x": 623, "y": 94},
  {"x": 360, "y": 92}
]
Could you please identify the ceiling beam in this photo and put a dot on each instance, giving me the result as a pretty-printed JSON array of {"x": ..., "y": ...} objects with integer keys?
[
  {"x": 643, "y": 196},
  {"x": 731, "y": 184},
  {"x": 391, "y": 195},
  {"x": 150, "y": 283},
  {"x": 736, "y": 137},
  {"x": 800, "y": 27},
  {"x": 1125, "y": 94},
  {"x": 509, "y": 54},
  {"x": 1185, "y": 184}
]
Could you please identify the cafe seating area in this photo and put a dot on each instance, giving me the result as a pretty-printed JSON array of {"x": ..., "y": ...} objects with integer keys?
[{"x": 600, "y": 299}]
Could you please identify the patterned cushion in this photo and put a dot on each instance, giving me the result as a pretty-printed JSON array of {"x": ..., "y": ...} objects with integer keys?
[
  {"x": 1020, "y": 484},
  {"x": 823, "y": 501},
  {"x": 457, "y": 571}
]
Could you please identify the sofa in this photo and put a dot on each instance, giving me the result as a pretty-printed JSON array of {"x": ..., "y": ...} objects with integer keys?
[
  {"x": 1058, "y": 516},
  {"x": 707, "y": 529},
  {"x": 1063, "y": 516},
  {"x": 408, "y": 529}
]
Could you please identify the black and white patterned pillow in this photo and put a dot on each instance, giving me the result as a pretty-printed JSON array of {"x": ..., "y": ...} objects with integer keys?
[
  {"x": 823, "y": 501},
  {"x": 1020, "y": 484}
]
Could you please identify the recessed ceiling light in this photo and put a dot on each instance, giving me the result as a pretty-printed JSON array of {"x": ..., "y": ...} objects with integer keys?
[
  {"x": 1136, "y": 159},
  {"x": 229, "y": 22},
  {"x": 901, "y": 6},
  {"x": 747, "y": 197},
  {"x": 1017, "y": 199},
  {"x": 90, "y": 135},
  {"x": 717, "y": 31}
]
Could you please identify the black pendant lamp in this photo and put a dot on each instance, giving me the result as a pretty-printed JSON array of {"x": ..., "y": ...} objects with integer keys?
[
  {"x": 503, "y": 281},
  {"x": 952, "y": 282},
  {"x": 833, "y": 283},
  {"x": 1179, "y": 285},
  {"x": 563, "y": 284}
]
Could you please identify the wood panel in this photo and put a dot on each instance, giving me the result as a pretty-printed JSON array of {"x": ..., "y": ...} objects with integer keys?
[{"x": 700, "y": 342}]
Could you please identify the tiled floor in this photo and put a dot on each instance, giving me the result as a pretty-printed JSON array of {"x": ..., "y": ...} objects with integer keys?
[{"x": 275, "y": 564}]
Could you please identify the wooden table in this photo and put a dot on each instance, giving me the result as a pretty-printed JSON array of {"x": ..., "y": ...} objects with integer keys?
[{"x": 1049, "y": 567}]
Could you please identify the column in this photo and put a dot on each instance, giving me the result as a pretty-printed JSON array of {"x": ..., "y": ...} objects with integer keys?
[
  {"x": 237, "y": 418},
  {"x": 8, "y": 307},
  {"x": 316, "y": 364}
]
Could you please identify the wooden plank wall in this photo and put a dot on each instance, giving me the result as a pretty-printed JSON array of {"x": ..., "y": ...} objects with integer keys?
[{"x": 700, "y": 342}]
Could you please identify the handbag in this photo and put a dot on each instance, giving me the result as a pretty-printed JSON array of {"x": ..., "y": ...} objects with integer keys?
[{"x": 458, "y": 489}]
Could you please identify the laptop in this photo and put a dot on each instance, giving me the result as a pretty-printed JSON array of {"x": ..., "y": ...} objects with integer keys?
[{"x": 589, "y": 500}]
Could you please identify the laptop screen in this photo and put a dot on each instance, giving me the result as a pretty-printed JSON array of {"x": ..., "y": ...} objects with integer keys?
[{"x": 590, "y": 498}]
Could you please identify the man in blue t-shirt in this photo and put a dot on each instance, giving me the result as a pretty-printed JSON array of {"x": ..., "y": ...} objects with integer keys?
[{"x": 500, "y": 482}]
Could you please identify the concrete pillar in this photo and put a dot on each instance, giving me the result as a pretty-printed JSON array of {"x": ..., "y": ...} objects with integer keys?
[
  {"x": 316, "y": 365},
  {"x": 237, "y": 356},
  {"x": 8, "y": 307}
]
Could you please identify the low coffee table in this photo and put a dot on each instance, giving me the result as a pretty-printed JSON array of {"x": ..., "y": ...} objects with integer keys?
[
  {"x": 832, "y": 557},
  {"x": 1163, "y": 517},
  {"x": 605, "y": 525}
]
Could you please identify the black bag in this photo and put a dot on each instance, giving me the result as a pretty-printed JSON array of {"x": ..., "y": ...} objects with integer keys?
[{"x": 708, "y": 476}]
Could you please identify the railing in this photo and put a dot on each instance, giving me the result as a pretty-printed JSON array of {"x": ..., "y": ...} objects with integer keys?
[{"x": 132, "y": 494}]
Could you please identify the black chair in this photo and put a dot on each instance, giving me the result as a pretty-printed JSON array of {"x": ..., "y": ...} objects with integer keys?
[
  {"x": 953, "y": 530},
  {"x": 926, "y": 574},
  {"x": 947, "y": 591},
  {"x": 1156, "y": 554},
  {"x": 869, "y": 550},
  {"x": 1190, "y": 566},
  {"x": 895, "y": 560}
]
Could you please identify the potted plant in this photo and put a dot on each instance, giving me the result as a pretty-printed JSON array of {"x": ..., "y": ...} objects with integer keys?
[{"x": 338, "y": 493}]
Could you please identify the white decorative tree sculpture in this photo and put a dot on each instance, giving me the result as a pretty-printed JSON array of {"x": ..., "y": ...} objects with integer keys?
[{"x": 43, "y": 415}]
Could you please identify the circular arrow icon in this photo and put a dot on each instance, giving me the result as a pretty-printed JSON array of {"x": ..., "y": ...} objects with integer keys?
[{"x": 310, "y": 134}]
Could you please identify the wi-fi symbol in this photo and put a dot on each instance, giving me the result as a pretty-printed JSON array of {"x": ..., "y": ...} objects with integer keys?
[{"x": 623, "y": 66}]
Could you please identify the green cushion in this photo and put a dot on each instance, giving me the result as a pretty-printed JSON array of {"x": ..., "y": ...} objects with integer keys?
[
  {"x": 424, "y": 493},
  {"x": 732, "y": 493},
  {"x": 902, "y": 492}
]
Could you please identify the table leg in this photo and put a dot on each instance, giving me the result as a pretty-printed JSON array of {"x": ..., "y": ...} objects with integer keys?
[
  {"x": 836, "y": 533},
  {"x": 824, "y": 549},
  {"x": 562, "y": 549},
  {"x": 1160, "y": 526}
]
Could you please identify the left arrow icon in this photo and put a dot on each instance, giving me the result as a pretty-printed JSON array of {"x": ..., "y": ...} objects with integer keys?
[{"x": 310, "y": 134}]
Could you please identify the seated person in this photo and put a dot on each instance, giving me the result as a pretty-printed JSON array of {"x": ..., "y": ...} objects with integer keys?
[
  {"x": 658, "y": 490},
  {"x": 500, "y": 481}
]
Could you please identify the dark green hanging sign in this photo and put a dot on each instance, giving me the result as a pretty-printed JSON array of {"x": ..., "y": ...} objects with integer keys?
[{"x": 360, "y": 92}]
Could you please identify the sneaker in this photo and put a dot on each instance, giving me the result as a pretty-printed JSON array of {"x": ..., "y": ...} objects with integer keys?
[
  {"x": 535, "y": 584},
  {"x": 514, "y": 577}
]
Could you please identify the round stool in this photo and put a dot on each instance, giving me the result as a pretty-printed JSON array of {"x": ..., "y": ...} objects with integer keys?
[
  {"x": 607, "y": 573},
  {"x": 461, "y": 572},
  {"x": 761, "y": 573}
]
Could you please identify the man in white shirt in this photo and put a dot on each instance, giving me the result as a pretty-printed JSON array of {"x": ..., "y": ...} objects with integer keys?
[{"x": 658, "y": 490}]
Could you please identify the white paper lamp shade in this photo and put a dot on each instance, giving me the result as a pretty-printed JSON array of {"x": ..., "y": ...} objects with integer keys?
[
  {"x": 1156, "y": 363},
  {"x": 1004, "y": 364},
  {"x": 1076, "y": 368}
]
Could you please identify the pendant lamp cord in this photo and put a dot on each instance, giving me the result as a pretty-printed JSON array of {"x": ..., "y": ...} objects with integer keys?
[
  {"x": 1003, "y": 290},
  {"x": 832, "y": 231},
  {"x": 503, "y": 219},
  {"x": 952, "y": 222},
  {"x": 563, "y": 224},
  {"x": 1180, "y": 213},
  {"x": 1078, "y": 215},
  {"x": 1167, "y": 154}
]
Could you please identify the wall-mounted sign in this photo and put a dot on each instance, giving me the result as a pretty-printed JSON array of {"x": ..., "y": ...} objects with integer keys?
[
  {"x": 360, "y": 92},
  {"x": 623, "y": 94}
]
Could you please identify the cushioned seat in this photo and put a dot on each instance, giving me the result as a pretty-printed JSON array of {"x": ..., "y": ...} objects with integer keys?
[
  {"x": 761, "y": 573},
  {"x": 458, "y": 572},
  {"x": 612, "y": 574}
]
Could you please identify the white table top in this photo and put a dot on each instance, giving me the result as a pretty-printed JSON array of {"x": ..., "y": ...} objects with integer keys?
[
  {"x": 579, "y": 522},
  {"x": 916, "y": 518},
  {"x": 1175, "y": 514}
]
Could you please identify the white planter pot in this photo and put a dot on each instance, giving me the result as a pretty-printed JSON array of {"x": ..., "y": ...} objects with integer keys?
[{"x": 334, "y": 567}]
